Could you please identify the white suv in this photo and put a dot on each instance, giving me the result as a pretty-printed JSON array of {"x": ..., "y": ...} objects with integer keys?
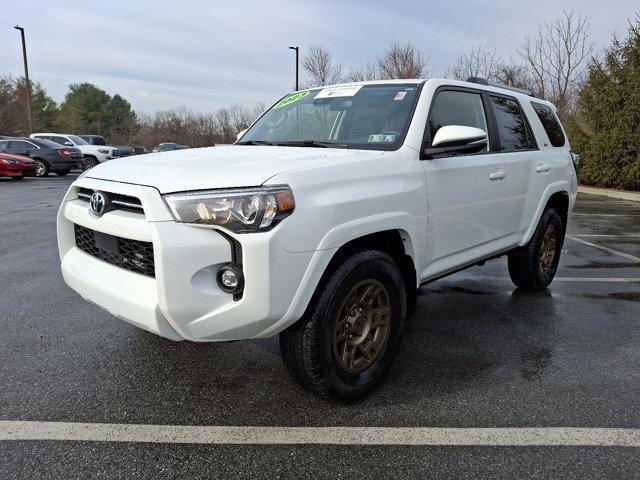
[
  {"x": 323, "y": 220},
  {"x": 93, "y": 154}
]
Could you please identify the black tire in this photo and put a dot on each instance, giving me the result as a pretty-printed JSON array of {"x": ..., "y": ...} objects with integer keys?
[
  {"x": 17, "y": 178},
  {"x": 90, "y": 162},
  {"x": 529, "y": 268},
  {"x": 42, "y": 169},
  {"x": 309, "y": 348},
  {"x": 62, "y": 173}
]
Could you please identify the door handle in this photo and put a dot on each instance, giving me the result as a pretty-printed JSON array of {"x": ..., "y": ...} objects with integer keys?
[
  {"x": 543, "y": 168},
  {"x": 497, "y": 175}
]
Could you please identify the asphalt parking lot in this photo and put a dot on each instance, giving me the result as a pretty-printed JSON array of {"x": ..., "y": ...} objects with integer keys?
[{"x": 477, "y": 354}]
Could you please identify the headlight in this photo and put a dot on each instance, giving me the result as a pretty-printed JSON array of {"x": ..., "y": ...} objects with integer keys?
[
  {"x": 103, "y": 150},
  {"x": 239, "y": 210},
  {"x": 9, "y": 162}
]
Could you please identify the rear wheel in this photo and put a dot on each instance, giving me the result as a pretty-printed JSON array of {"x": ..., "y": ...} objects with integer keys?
[
  {"x": 351, "y": 333},
  {"x": 533, "y": 266},
  {"x": 42, "y": 169},
  {"x": 62, "y": 173}
]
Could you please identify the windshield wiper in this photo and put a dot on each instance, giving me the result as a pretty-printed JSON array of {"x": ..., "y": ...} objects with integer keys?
[
  {"x": 312, "y": 143},
  {"x": 255, "y": 142}
]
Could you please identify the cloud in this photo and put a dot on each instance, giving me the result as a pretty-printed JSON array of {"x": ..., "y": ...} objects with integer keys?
[{"x": 205, "y": 54}]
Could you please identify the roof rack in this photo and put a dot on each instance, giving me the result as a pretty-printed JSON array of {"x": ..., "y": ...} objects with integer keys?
[{"x": 483, "y": 81}]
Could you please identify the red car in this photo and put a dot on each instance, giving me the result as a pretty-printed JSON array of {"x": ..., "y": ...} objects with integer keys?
[{"x": 16, "y": 166}]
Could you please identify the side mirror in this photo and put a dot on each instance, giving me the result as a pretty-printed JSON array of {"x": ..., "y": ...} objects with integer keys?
[
  {"x": 457, "y": 139},
  {"x": 68, "y": 144},
  {"x": 241, "y": 133}
]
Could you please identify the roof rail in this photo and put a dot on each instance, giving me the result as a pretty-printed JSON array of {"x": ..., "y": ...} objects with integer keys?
[{"x": 483, "y": 81}]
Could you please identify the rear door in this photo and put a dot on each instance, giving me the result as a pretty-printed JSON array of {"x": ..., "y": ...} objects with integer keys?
[
  {"x": 519, "y": 154},
  {"x": 467, "y": 193}
]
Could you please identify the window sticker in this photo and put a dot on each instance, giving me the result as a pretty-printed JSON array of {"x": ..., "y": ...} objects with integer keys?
[
  {"x": 400, "y": 95},
  {"x": 380, "y": 138},
  {"x": 346, "y": 91},
  {"x": 291, "y": 99}
]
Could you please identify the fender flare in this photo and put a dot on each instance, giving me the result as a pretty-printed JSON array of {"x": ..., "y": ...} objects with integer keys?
[
  {"x": 329, "y": 244},
  {"x": 556, "y": 187}
]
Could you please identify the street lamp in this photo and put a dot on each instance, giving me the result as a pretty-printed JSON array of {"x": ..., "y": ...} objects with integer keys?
[
  {"x": 26, "y": 76},
  {"x": 297, "y": 49}
]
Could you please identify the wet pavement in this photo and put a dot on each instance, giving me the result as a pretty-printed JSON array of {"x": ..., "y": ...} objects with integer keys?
[{"x": 476, "y": 354}]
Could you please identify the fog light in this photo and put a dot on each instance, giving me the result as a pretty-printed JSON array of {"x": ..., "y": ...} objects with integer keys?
[{"x": 230, "y": 278}]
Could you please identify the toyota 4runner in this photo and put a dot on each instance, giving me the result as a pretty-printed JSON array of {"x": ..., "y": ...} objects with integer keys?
[{"x": 321, "y": 222}]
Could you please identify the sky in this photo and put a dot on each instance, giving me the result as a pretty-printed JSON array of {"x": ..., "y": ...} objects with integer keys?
[{"x": 207, "y": 54}]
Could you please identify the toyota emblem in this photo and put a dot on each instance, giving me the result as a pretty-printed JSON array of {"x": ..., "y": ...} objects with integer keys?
[{"x": 97, "y": 203}]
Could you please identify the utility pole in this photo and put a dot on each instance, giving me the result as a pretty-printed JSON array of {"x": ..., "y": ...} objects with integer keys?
[
  {"x": 297, "y": 49},
  {"x": 26, "y": 76}
]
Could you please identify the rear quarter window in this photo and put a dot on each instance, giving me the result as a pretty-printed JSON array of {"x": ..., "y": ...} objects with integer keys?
[{"x": 550, "y": 123}]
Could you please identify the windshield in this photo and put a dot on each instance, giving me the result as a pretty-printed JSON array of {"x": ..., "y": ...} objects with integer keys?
[
  {"x": 374, "y": 117},
  {"x": 77, "y": 140}
]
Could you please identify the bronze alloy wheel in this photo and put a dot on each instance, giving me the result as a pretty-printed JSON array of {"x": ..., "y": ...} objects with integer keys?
[
  {"x": 547, "y": 250},
  {"x": 362, "y": 326}
]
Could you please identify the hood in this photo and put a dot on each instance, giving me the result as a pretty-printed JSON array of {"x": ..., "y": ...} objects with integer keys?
[{"x": 220, "y": 167}]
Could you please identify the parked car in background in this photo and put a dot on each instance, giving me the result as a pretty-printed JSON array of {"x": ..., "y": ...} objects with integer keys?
[
  {"x": 126, "y": 150},
  {"x": 139, "y": 149},
  {"x": 16, "y": 166},
  {"x": 166, "y": 147},
  {"x": 93, "y": 154},
  {"x": 94, "y": 139},
  {"x": 48, "y": 156}
]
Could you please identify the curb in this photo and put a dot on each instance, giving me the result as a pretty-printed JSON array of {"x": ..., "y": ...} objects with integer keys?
[{"x": 606, "y": 192}]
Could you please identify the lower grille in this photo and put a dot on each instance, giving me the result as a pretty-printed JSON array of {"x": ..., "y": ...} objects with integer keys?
[{"x": 133, "y": 255}]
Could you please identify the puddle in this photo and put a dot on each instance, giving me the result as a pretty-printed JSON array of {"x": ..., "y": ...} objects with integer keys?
[
  {"x": 457, "y": 289},
  {"x": 628, "y": 296}
]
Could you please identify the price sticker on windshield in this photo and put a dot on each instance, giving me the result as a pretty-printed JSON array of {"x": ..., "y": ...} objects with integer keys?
[
  {"x": 291, "y": 99},
  {"x": 346, "y": 91}
]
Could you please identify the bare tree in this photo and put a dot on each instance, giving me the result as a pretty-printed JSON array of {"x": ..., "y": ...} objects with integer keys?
[
  {"x": 479, "y": 62},
  {"x": 513, "y": 75},
  {"x": 363, "y": 72},
  {"x": 557, "y": 56},
  {"x": 402, "y": 61},
  {"x": 320, "y": 66}
]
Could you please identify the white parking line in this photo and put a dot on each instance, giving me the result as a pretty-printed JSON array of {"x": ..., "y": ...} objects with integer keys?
[
  {"x": 107, "y": 432},
  {"x": 605, "y": 214},
  {"x": 604, "y": 249},
  {"x": 597, "y": 235},
  {"x": 556, "y": 279}
]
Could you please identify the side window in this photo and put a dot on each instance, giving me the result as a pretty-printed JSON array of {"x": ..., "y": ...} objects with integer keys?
[
  {"x": 550, "y": 123},
  {"x": 59, "y": 140},
  {"x": 452, "y": 107},
  {"x": 21, "y": 145},
  {"x": 4, "y": 144},
  {"x": 512, "y": 125}
]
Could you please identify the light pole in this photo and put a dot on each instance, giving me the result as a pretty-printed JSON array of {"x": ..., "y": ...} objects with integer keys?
[
  {"x": 26, "y": 76},
  {"x": 297, "y": 49}
]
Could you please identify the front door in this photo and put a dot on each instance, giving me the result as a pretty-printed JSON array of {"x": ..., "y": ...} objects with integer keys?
[{"x": 467, "y": 193}]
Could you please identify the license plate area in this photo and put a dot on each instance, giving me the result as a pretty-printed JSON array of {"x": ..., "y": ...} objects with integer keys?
[{"x": 106, "y": 242}]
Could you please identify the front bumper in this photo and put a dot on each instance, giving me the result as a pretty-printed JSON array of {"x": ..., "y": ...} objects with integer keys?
[{"x": 183, "y": 300}]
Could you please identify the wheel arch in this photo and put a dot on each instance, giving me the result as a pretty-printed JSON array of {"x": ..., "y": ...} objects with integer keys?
[
  {"x": 396, "y": 242},
  {"x": 557, "y": 195}
]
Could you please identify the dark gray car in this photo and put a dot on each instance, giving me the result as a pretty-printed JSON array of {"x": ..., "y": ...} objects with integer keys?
[{"x": 49, "y": 156}]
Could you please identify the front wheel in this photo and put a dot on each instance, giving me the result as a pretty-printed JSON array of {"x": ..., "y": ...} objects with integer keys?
[
  {"x": 351, "y": 333},
  {"x": 533, "y": 266}
]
